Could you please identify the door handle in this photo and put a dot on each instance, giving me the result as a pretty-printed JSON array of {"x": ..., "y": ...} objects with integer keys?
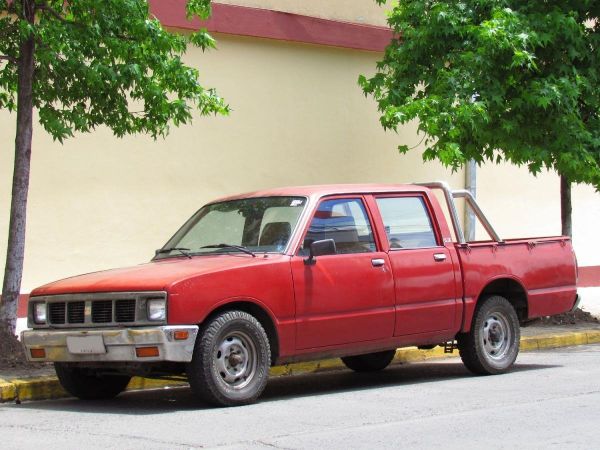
[
  {"x": 439, "y": 257},
  {"x": 378, "y": 262}
]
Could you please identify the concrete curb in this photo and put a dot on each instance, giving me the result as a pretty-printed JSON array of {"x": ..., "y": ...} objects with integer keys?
[{"x": 48, "y": 387}]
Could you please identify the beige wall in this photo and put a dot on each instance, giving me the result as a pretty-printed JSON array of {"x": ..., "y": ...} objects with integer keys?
[
  {"x": 519, "y": 204},
  {"x": 358, "y": 11},
  {"x": 298, "y": 118}
]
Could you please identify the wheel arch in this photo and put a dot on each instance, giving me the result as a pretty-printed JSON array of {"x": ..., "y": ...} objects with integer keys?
[
  {"x": 512, "y": 290},
  {"x": 259, "y": 312}
]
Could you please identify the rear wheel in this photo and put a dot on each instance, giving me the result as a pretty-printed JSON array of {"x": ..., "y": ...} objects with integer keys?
[
  {"x": 492, "y": 345},
  {"x": 230, "y": 366},
  {"x": 371, "y": 362},
  {"x": 87, "y": 384}
]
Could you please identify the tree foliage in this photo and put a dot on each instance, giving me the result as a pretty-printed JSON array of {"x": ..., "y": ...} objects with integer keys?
[
  {"x": 104, "y": 62},
  {"x": 513, "y": 80}
]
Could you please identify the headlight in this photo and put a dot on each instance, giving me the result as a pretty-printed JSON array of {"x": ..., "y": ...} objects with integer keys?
[
  {"x": 156, "y": 309},
  {"x": 39, "y": 312}
]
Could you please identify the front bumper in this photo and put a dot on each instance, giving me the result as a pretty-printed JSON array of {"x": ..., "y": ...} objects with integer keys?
[{"x": 111, "y": 344}]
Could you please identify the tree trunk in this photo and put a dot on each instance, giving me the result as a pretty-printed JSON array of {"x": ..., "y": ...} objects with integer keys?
[
  {"x": 565, "y": 206},
  {"x": 13, "y": 270}
]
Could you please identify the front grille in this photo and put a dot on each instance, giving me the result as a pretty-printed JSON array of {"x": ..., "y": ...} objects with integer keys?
[
  {"x": 76, "y": 312},
  {"x": 97, "y": 310},
  {"x": 124, "y": 311},
  {"x": 102, "y": 311},
  {"x": 56, "y": 312}
]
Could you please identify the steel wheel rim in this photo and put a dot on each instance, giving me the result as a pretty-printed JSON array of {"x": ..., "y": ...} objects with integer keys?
[
  {"x": 235, "y": 360},
  {"x": 496, "y": 336}
]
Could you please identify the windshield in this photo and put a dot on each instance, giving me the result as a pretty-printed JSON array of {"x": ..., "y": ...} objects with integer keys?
[{"x": 263, "y": 224}]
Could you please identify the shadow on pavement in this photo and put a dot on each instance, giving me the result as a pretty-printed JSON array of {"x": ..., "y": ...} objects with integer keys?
[{"x": 288, "y": 387}]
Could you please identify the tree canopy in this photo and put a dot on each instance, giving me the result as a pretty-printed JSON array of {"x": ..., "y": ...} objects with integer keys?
[
  {"x": 103, "y": 62},
  {"x": 496, "y": 80}
]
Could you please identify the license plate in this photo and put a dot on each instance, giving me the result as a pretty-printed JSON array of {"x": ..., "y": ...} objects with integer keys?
[{"x": 87, "y": 345}]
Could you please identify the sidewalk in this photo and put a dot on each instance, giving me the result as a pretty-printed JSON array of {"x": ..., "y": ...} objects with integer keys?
[{"x": 41, "y": 383}]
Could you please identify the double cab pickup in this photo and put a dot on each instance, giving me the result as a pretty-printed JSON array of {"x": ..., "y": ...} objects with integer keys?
[{"x": 293, "y": 274}]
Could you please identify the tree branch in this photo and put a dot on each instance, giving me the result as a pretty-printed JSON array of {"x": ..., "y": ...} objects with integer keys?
[
  {"x": 8, "y": 58},
  {"x": 45, "y": 7}
]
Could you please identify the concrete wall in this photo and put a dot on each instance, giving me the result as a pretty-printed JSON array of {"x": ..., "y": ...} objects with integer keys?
[{"x": 519, "y": 204}]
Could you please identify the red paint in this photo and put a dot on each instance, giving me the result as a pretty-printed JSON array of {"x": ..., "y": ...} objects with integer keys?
[
  {"x": 546, "y": 271},
  {"x": 589, "y": 276},
  {"x": 344, "y": 304},
  {"x": 265, "y": 23},
  {"x": 22, "y": 306}
]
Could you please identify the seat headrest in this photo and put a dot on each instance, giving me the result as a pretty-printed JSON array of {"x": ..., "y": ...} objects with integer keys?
[{"x": 275, "y": 233}]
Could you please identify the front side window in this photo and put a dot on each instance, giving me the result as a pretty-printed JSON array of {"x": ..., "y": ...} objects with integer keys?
[
  {"x": 259, "y": 224},
  {"x": 346, "y": 222},
  {"x": 406, "y": 221}
]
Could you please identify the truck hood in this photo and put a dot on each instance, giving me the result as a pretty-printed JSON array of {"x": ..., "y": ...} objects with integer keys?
[{"x": 153, "y": 276}]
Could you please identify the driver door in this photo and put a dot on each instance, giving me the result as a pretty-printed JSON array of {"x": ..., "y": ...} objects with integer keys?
[{"x": 349, "y": 296}]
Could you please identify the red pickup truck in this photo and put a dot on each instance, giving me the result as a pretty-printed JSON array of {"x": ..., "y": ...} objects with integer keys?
[{"x": 292, "y": 274}]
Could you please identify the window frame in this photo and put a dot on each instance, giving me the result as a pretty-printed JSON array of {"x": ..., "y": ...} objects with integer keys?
[
  {"x": 428, "y": 210},
  {"x": 363, "y": 198},
  {"x": 305, "y": 210}
]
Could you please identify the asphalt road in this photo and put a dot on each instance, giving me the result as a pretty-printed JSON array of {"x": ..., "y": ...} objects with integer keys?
[{"x": 550, "y": 399}]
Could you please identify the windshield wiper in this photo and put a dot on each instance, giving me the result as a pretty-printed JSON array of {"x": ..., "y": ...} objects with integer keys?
[
  {"x": 184, "y": 251},
  {"x": 241, "y": 248}
]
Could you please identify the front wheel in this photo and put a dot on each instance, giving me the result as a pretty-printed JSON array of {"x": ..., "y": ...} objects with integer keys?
[
  {"x": 230, "y": 366},
  {"x": 88, "y": 384},
  {"x": 371, "y": 362},
  {"x": 492, "y": 344}
]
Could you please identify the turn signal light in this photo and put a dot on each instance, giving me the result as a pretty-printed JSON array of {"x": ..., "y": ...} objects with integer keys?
[
  {"x": 146, "y": 352},
  {"x": 37, "y": 353},
  {"x": 181, "y": 335}
]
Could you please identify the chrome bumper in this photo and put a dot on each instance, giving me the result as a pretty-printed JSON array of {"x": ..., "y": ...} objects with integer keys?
[{"x": 111, "y": 344}]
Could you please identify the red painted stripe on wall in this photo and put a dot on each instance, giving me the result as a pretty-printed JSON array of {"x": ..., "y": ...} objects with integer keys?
[
  {"x": 22, "y": 306},
  {"x": 265, "y": 23},
  {"x": 589, "y": 276}
]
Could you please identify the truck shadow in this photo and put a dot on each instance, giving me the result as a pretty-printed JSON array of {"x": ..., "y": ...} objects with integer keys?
[
  {"x": 279, "y": 388},
  {"x": 397, "y": 375}
]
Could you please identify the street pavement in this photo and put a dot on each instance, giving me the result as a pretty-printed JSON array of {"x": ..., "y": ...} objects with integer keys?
[{"x": 550, "y": 399}]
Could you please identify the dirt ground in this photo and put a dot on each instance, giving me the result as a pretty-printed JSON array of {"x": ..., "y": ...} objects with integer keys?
[
  {"x": 571, "y": 318},
  {"x": 12, "y": 355}
]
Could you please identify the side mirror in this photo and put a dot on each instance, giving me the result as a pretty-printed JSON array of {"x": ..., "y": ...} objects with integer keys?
[{"x": 320, "y": 248}]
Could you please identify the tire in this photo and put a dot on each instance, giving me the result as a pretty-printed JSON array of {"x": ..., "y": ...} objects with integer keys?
[
  {"x": 86, "y": 384},
  {"x": 371, "y": 362},
  {"x": 237, "y": 336},
  {"x": 492, "y": 344}
]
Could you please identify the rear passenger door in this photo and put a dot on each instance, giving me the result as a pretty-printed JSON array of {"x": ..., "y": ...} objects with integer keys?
[
  {"x": 423, "y": 270},
  {"x": 347, "y": 297}
]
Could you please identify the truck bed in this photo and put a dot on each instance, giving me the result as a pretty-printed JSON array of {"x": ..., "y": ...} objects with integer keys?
[{"x": 541, "y": 270}]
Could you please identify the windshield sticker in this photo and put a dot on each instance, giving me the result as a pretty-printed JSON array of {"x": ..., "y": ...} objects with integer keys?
[{"x": 296, "y": 202}]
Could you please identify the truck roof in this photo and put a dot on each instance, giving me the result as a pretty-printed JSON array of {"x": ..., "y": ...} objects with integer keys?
[{"x": 317, "y": 191}]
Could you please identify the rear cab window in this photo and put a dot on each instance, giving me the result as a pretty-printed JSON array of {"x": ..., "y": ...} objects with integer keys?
[{"x": 407, "y": 222}]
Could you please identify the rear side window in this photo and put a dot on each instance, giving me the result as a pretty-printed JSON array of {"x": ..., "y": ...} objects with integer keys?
[
  {"x": 346, "y": 222},
  {"x": 407, "y": 222}
]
